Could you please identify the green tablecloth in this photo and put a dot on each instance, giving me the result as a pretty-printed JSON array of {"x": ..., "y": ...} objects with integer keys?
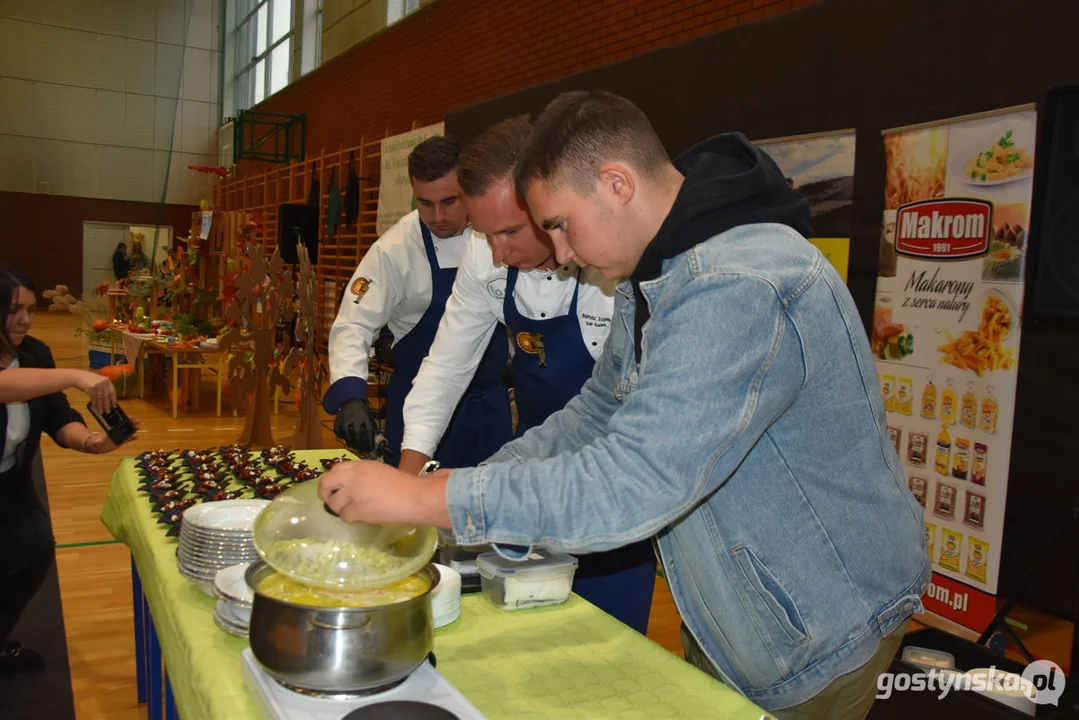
[{"x": 566, "y": 661}]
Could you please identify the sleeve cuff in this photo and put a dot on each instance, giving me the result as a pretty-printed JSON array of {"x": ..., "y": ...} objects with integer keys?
[
  {"x": 418, "y": 443},
  {"x": 347, "y": 388},
  {"x": 502, "y": 456},
  {"x": 464, "y": 501}
]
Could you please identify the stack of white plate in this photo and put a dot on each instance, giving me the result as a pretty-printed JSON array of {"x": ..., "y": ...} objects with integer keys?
[
  {"x": 214, "y": 536},
  {"x": 446, "y": 598},
  {"x": 234, "y": 599}
]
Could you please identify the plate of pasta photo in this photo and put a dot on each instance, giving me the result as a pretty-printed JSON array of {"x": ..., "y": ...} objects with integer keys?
[
  {"x": 993, "y": 346},
  {"x": 1001, "y": 161}
]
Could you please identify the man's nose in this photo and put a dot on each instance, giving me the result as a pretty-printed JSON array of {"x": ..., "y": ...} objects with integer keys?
[{"x": 562, "y": 251}]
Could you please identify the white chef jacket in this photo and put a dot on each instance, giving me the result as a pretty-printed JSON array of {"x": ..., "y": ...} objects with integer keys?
[
  {"x": 397, "y": 293},
  {"x": 472, "y": 313}
]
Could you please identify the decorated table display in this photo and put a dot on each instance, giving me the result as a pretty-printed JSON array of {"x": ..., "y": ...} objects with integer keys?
[
  {"x": 560, "y": 661},
  {"x": 176, "y": 480}
]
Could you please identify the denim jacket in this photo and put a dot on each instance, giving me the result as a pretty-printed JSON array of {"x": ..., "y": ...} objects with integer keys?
[{"x": 751, "y": 442}]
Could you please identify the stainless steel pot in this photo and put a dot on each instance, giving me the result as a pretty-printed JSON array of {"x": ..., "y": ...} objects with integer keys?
[{"x": 341, "y": 650}]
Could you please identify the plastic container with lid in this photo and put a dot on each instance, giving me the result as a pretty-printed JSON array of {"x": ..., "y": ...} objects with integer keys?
[
  {"x": 1004, "y": 687},
  {"x": 461, "y": 558},
  {"x": 541, "y": 578},
  {"x": 927, "y": 658}
]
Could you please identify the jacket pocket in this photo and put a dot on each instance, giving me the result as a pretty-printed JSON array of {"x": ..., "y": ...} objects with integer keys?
[{"x": 772, "y": 598}]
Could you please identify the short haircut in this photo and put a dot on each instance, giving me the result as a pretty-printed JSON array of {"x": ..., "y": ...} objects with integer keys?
[
  {"x": 581, "y": 130},
  {"x": 433, "y": 158},
  {"x": 491, "y": 157}
]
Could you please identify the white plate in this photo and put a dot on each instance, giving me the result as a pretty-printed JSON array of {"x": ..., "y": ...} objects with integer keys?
[
  {"x": 217, "y": 536},
  {"x": 448, "y": 618},
  {"x": 239, "y": 606},
  {"x": 197, "y": 572},
  {"x": 217, "y": 551},
  {"x": 193, "y": 543},
  {"x": 216, "y": 561},
  {"x": 237, "y": 616},
  {"x": 196, "y": 548},
  {"x": 231, "y": 584},
  {"x": 229, "y": 627},
  {"x": 211, "y": 567},
  {"x": 200, "y": 577},
  {"x": 203, "y": 585},
  {"x": 189, "y": 540},
  {"x": 225, "y": 514},
  {"x": 225, "y": 613}
]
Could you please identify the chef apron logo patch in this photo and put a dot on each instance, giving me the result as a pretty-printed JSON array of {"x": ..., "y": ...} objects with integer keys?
[
  {"x": 532, "y": 343},
  {"x": 360, "y": 286},
  {"x": 497, "y": 289}
]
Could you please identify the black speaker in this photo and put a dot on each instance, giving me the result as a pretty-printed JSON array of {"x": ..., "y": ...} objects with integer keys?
[
  {"x": 297, "y": 223},
  {"x": 1055, "y": 216}
]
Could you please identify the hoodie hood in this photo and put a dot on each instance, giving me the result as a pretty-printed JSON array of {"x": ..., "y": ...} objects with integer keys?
[{"x": 728, "y": 182}]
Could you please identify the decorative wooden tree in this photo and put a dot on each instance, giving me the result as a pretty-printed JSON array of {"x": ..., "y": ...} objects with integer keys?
[
  {"x": 264, "y": 300},
  {"x": 308, "y": 428}
]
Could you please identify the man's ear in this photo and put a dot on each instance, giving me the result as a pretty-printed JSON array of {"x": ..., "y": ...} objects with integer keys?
[{"x": 618, "y": 179}]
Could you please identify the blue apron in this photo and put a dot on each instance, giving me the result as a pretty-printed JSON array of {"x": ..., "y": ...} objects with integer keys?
[
  {"x": 550, "y": 366},
  {"x": 482, "y": 422}
]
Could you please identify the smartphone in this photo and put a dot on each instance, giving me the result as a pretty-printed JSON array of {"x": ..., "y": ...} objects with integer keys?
[{"x": 115, "y": 423}]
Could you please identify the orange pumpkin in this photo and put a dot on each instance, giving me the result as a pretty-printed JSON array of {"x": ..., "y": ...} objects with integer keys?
[
  {"x": 100, "y": 326},
  {"x": 123, "y": 378}
]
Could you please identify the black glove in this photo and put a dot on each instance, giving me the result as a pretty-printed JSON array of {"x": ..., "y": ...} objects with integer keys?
[{"x": 355, "y": 424}]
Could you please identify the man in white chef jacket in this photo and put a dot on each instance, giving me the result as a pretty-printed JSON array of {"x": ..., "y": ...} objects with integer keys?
[
  {"x": 559, "y": 317},
  {"x": 403, "y": 282}
]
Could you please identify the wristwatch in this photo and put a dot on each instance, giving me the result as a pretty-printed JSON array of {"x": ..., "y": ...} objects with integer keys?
[{"x": 429, "y": 467}]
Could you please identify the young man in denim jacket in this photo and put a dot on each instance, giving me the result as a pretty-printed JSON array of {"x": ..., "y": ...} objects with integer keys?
[{"x": 734, "y": 416}]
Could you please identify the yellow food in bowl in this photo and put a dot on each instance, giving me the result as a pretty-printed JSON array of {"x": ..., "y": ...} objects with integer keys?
[{"x": 285, "y": 589}]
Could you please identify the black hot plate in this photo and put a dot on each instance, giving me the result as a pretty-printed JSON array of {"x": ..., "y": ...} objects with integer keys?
[{"x": 400, "y": 710}]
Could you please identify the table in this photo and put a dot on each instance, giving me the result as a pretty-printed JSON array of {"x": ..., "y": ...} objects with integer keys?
[
  {"x": 136, "y": 351},
  {"x": 112, "y": 293},
  {"x": 188, "y": 358},
  {"x": 138, "y": 348},
  {"x": 565, "y": 661}
]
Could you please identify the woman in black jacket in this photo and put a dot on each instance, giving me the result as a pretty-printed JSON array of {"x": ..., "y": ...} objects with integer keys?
[{"x": 32, "y": 401}]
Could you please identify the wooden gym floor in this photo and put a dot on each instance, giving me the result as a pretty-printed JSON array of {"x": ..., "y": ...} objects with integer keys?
[{"x": 94, "y": 569}]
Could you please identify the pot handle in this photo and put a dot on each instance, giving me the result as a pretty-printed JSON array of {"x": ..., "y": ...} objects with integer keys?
[{"x": 359, "y": 624}]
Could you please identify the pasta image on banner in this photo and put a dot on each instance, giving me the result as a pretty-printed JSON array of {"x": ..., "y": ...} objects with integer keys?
[{"x": 946, "y": 329}]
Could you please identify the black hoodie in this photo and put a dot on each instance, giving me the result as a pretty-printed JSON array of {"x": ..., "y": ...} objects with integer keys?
[{"x": 728, "y": 182}]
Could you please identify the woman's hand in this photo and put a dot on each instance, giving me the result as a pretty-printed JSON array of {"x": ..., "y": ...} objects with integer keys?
[
  {"x": 100, "y": 389},
  {"x": 370, "y": 491},
  {"x": 98, "y": 443}
]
